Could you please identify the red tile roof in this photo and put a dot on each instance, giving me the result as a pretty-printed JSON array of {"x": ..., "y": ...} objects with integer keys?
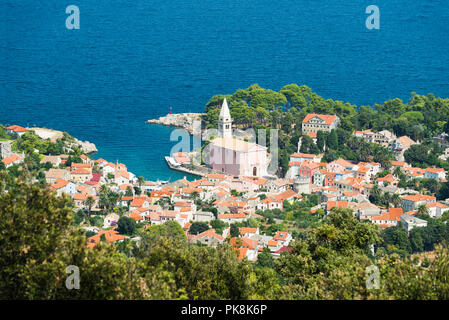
[
  {"x": 244, "y": 230},
  {"x": 283, "y": 249},
  {"x": 232, "y": 216},
  {"x": 328, "y": 119},
  {"x": 302, "y": 155},
  {"x": 59, "y": 183},
  {"x": 110, "y": 236},
  {"x": 391, "y": 214},
  {"x": 16, "y": 128},
  {"x": 419, "y": 197},
  {"x": 11, "y": 159},
  {"x": 338, "y": 204},
  {"x": 280, "y": 235}
]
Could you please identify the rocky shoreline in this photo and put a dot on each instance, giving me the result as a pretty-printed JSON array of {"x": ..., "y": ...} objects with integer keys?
[
  {"x": 180, "y": 120},
  {"x": 86, "y": 146}
]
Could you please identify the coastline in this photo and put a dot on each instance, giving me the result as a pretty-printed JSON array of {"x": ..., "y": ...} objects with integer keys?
[
  {"x": 44, "y": 133},
  {"x": 199, "y": 171},
  {"x": 179, "y": 120}
]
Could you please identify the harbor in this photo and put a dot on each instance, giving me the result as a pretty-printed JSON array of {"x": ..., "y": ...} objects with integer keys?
[{"x": 200, "y": 171}]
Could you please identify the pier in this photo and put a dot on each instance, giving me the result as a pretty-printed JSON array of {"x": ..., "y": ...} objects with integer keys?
[{"x": 200, "y": 171}]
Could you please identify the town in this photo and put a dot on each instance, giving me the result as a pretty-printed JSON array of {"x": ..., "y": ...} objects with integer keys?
[{"x": 241, "y": 205}]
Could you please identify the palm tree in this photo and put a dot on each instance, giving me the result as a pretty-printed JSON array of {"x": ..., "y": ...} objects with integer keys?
[
  {"x": 112, "y": 199},
  {"x": 422, "y": 209},
  {"x": 140, "y": 181},
  {"x": 194, "y": 195},
  {"x": 103, "y": 188},
  {"x": 396, "y": 200},
  {"x": 386, "y": 199},
  {"x": 397, "y": 172},
  {"x": 375, "y": 192},
  {"x": 103, "y": 202},
  {"x": 89, "y": 202}
]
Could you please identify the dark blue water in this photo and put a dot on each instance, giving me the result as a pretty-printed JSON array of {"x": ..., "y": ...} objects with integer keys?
[{"x": 131, "y": 60}]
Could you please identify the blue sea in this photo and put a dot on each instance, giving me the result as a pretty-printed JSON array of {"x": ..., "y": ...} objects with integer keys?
[{"x": 131, "y": 60}]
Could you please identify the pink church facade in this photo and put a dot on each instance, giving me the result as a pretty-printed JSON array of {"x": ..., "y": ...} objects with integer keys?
[
  {"x": 238, "y": 158},
  {"x": 233, "y": 156}
]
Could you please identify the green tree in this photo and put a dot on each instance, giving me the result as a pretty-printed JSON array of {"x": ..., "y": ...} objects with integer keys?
[
  {"x": 169, "y": 229},
  {"x": 34, "y": 256},
  {"x": 129, "y": 192},
  {"x": 398, "y": 237},
  {"x": 422, "y": 209},
  {"x": 417, "y": 155},
  {"x": 234, "y": 231},
  {"x": 126, "y": 225},
  {"x": 89, "y": 202},
  {"x": 265, "y": 259},
  {"x": 140, "y": 181},
  {"x": 218, "y": 225},
  {"x": 198, "y": 227},
  {"x": 332, "y": 140},
  {"x": 320, "y": 140}
]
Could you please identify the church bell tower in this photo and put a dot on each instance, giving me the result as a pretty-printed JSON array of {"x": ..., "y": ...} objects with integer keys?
[{"x": 225, "y": 121}]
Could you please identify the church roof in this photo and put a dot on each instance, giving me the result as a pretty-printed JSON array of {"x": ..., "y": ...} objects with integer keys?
[
  {"x": 224, "y": 112},
  {"x": 236, "y": 144}
]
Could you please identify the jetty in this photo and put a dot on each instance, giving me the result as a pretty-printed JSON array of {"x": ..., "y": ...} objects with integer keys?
[{"x": 200, "y": 171}]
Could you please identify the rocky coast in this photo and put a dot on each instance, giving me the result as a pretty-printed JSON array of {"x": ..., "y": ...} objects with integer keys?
[
  {"x": 86, "y": 146},
  {"x": 180, "y": 120}
]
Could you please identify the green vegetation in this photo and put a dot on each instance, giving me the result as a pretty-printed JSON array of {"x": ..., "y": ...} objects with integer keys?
[
  {"x": 198, "y": 227},
  {"x": 420, "y": 118},
  {"x": 234, "y": 231},
  {"x": 40, "y": 232},
  {"x": 126, "y": 225},
  {"x": 3, "y": 135},
  {"x": 108, "y": 199},
  {"x": 39, "y": 242},
  {"x": 420, "y": 239},
  {"x": 328, "y": 262},
  {"x": 218, "y": 226},
  {"x": 384, "y": 199},
  {"x": 29, "y": 142}
]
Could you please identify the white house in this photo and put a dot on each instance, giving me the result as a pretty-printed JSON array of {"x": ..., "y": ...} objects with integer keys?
[
  {"x": 436, "y": 209},
  {"x": 270, "y": 204},
  {"x": 16, "y": 129},
  {"x": 232, "y": 217},
  {"x": 410, "y": 203},
  {"x": 435, "y": 173},
  {"x": 283, "y": 238},
  {"x": 63, "y": 186},
  {"x": 12, "y": 160},
  {"x": 409, "y": 222}
]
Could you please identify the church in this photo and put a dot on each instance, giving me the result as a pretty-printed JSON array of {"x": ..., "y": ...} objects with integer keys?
[{"x": 233, "y": 156}]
